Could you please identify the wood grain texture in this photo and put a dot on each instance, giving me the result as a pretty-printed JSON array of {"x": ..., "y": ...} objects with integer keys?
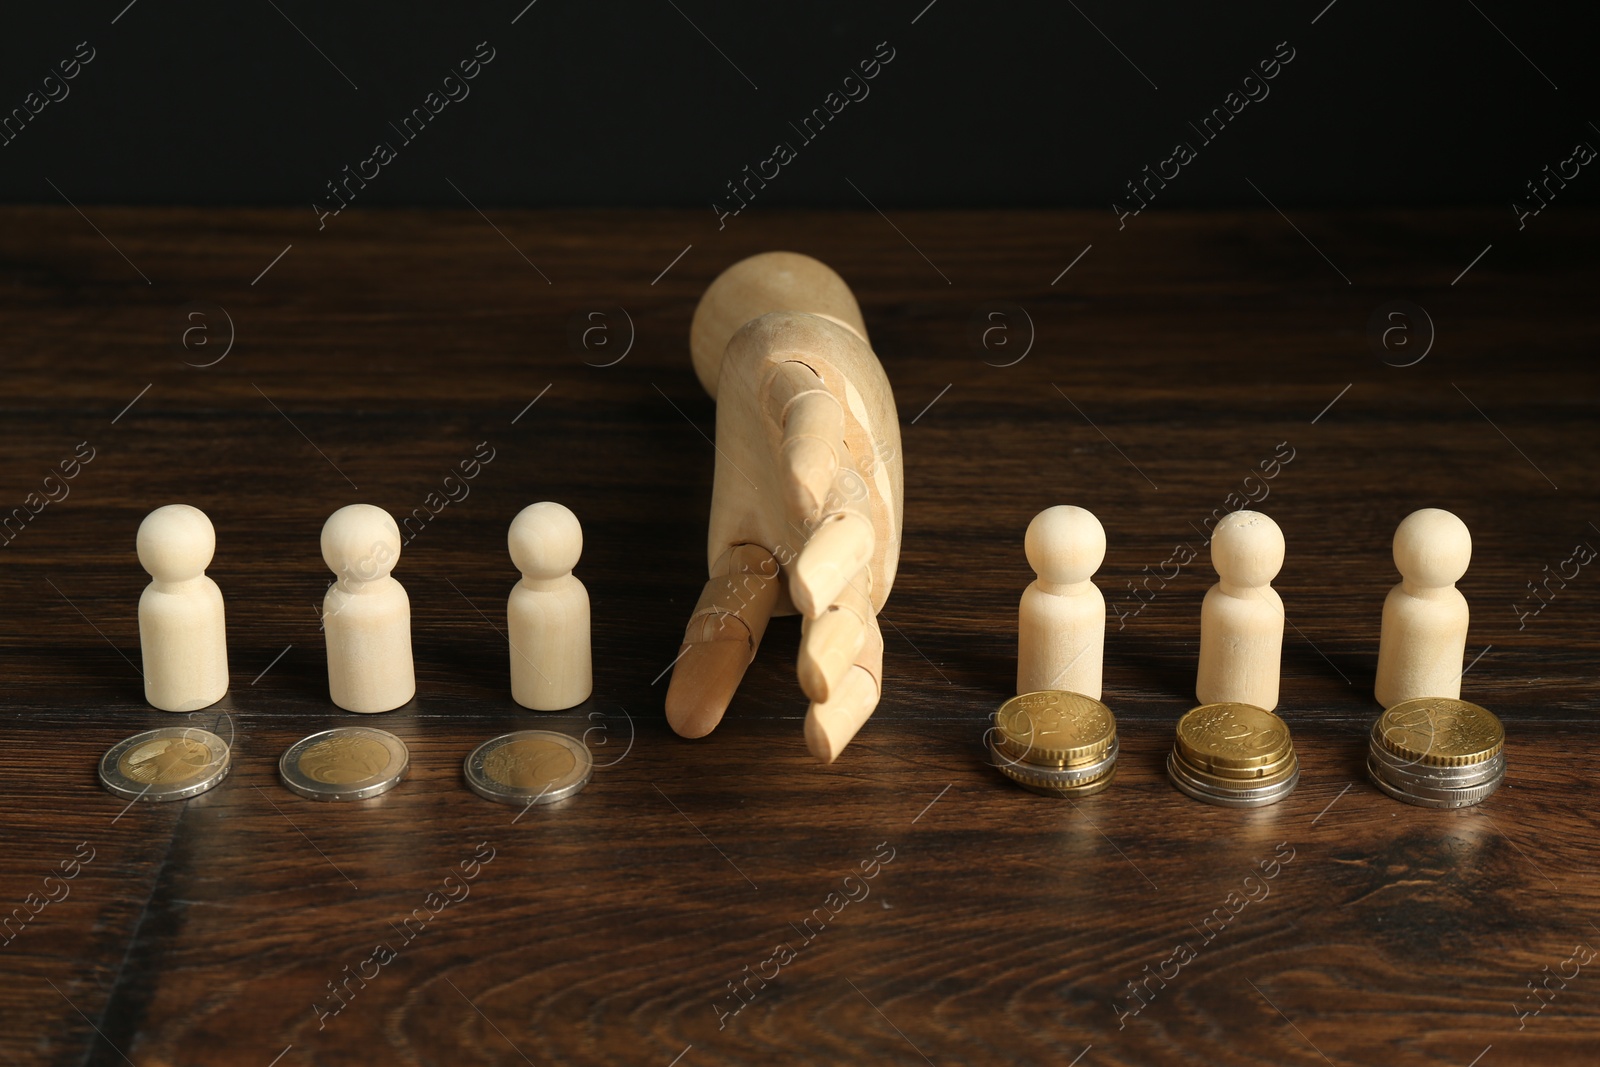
[{"x": 1169, "y": 363}]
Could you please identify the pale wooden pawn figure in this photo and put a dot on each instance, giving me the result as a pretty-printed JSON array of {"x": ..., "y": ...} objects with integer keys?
[
  {"x": 366, "y": 616},
  {"x": 1424, "y": 635},
  {"x": 547, "y": 615},
  {"x": 182, "y": 634},
  {"x": 1061, "y": 622},
  {"x": 1241, "y": 619},
  {"x": 806, "y": 503}
]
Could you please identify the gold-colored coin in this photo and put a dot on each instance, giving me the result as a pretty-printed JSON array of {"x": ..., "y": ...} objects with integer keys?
[
  {"x": 1228, "y": 780},
  {"x": 1054, "y": 728},
  {"x": 1440, "y": 732},
  {"x": 1036, "y": 783},
  {"x": 1245, "y": 775},
  {"x": 339, "y": 759},
  {"x": 1231, "y": 736},
  {"x": 164, "y": 761},
  {"x": 529, "y": 764}
]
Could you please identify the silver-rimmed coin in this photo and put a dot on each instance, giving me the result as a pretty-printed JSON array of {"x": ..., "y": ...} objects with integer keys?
[
  {"x": 1028, "y": 773},
  {"x": 345, "y": 763},
  {"x": 172, "y": 763},
  {"x": 1430, "y": 788},
  {"x": 1248, "y": 797},
  {"x": 529, "y": 767},
  {"x": 1433, "y": 797},
  {"x": 1400, "y": 770},
  {"x": 1063, "y": 790}
]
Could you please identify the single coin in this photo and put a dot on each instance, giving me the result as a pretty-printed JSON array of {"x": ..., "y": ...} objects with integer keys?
[
  {"x": 172, "y": 763},
  {"x": 1435, "y": 798},
  {"x": 1400, "y": 770},
  {"x": 1054, "y": 727},
  {"x": 1232, "y": 736},
  {"x": 529, "y": 767},
  {"x": 345, "y": 763},
  {"x": 1440, "y": 732},
  {"x": 1027, "y": 773},
  {"x": 1230, "y": 798}
]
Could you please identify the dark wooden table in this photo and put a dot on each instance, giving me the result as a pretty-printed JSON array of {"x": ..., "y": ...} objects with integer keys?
[{"x": 1172, "y": 360}]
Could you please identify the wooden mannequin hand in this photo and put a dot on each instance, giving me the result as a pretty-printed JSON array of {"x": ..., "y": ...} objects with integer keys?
[{"x": 805, "y": 517}]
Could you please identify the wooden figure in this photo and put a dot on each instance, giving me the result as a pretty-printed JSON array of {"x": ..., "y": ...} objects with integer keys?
[
  {"x": 1061, "y": 622},
  {"x": 366, "y": 616},
  {"x": 547, "y": 615},
  {"x": 182, "y": 634},
  {"x": 1424, "y": 635},
  {"x": 806, "y": 504},
  {"x": 1241, "y": 619}
]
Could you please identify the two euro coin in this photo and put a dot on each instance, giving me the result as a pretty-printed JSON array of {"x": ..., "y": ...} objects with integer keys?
[{"x": 172, "y": 763}]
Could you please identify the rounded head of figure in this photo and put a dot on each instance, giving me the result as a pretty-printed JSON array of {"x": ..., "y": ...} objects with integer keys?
[
  {"x": 771, "y": 281},
  {"x": 1432, "y": 548},
  {"x": 360, "y": 543},
  {"x": 545, "y": 541},
  {"x": 1065, "y": 545},
  {"x": 176, "y": 543},
  {"x": 1247, "y": 549}
]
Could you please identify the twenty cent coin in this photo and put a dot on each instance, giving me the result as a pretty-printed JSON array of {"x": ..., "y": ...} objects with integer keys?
[
  {"x": 1054, "y": 728},
  {"x": 346, "y": 763},
  {"x": 529, "y": 767},
  {"x": 172, "y": 763},
  {"x": 1232, "y": 737}
]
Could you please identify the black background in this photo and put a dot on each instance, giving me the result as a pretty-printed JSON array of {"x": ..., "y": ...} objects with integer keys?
[{"x": 984, "y": 105}]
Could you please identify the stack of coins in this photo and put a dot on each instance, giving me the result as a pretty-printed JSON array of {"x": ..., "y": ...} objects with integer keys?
[
  {"x": 1057, "y": 743},
  {"x": 1437, "y": 752},
  {"x": 1235, "y": 755}
]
